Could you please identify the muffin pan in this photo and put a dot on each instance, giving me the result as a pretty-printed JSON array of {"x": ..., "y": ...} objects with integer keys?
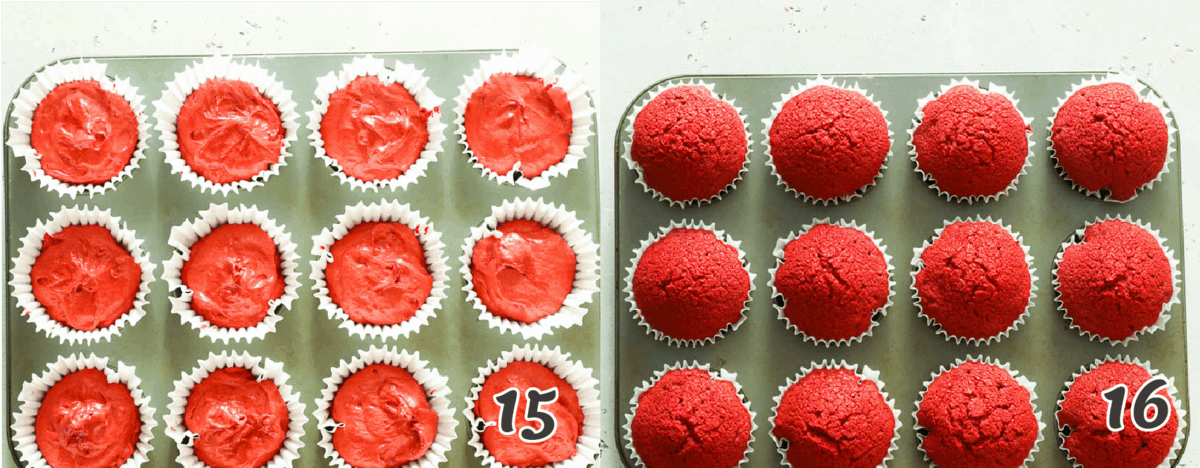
[
  {"x": 305, "y": 197},
  {"x": 903, "y": 212}
]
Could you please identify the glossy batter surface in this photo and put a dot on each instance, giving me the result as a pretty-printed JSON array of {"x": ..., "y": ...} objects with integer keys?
[
  {"x": 510, "y": 450},
  {"x": 84, "y": 278},
  {"x": 228, "y": 131},
  {"x": 374, "y": 131},
  {"x": 87, "y": 422},
  {"x": 514, "y": 119},
  {"x": 387, "y": 417},
  {"x": 85, "y": 134},
  {"x": 525, "y": 274},
  {"x": 234, "y": 272},
  {"x": 240, "y": 422},
  {"x": 378, "y": 275}
]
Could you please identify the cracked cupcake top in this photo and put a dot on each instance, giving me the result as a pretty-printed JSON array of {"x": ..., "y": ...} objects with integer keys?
[
  {"x": 690, "y": 419},
  {"x": 1082, "y": 420},
  {"x": 977, "y": 415},
  {"x": 834, "y": 418}
]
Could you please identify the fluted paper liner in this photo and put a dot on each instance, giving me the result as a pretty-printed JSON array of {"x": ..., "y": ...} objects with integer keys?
[
  {"x": 918, "y": 264},
  {"x": 263, "y": 369},
  {"x": 436, "y": 390},
  {"x": 1176, "y": 280},
  {"x": 536, "y": 63},
  {"x": 587, "y": 448},
  {"x": 798, "y": 89},
  {"x": 782, "y": 244},
  {"x": 637, "y": 257},
  {"x": 866, "y": 373},
  {"x": 187, "y": 234},
  {"x": 627, "y": 143},
  {"x": 166, "y": 111},
  {"x": 43, "y": 83},
  {"x": 34, "y": 390},
  {"x": 384, "y": 212},
  {"x": 31, "y": 247},
  {"x": 1148, "y": 95},
  {"x": 413, "y": 80},
  {"x": 587, "y": 265}
]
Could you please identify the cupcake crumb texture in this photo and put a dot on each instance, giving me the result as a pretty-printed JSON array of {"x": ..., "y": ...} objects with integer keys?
[
  {"x": 688, "y": 419},
  {"x": 834, "y": 418},
  {"x": 977, "y": 415},
  {"x": 1083, "y": 421}
]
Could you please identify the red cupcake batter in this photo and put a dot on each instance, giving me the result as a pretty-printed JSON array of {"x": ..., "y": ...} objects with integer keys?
[
  {"x": 977, "y": 416},
  {"x": 1116, "y": 282},
  {"x": 833, "y": 419},
  {"x": 229, "y": 132},
  {"x": 834, "y": 279},
  {"x": 514, "y": 119},
  {"x": 84, "y": 133},
  {"x": 388, "y": 421},
  {"x": 84, "y": 278},
  {"x": 688, "y": 419},
  {"x": 234, "y": 273},
  {"x": 374, "y": 131},
  {"x": 975, "y": 283},
  {"x": 378, "y": 275},
  {"x": 689, "y": 144},
  {"x": 240, "y": 422},
  {"x": 828, "y": 142},
  {"x": 971, "y": 143},
  {"x": 524, "y": 275},
  {"x": 1085, "y": 412},
  {"x": 690, "y": 285},
  {"x": 1106, "y": 138},
  {"x": 510, "y": 450},
  {"x": 87, "y": 422}
]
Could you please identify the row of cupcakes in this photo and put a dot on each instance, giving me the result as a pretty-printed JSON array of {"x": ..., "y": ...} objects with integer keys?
[
  {"x": 227, "y": 124},
  {"x": 383, "y": 408},
  {"x": 978, "y": 412},
  {"x": 81, "y": 275},
  {"x": 1110, "y": 137},
  {"x": 1114, "y": 279}
]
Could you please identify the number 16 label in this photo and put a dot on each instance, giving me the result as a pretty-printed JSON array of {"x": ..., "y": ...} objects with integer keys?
[
  {"x": 534, "y": 398},
  {"x": 1143, "y": 401}
]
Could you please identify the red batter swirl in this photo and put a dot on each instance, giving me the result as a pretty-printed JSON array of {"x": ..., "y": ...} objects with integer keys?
[
  {"x": 229, "y": 132},
  {"x": 87, "y": 422},
  {"x": 688, "y": 419},
  {"x": 510, "y": 450},
  {"x": 240, "y": 422},
  {"x": 977, "y": 416},
  {"x": 84, "y": 278},
  {"x": 1085, "y": 412},
  {"x": 514, "y": 119},
  {"x": 524, "y": 275},
  {"x": 831, "y": 418},
  {"x": 84, "y": 133},
  {"x": 378, "y": 275},
  {"x": 374, "y": 131},
  {"x": 387, "y": 417},
  {"x": 234, "y": 273}
]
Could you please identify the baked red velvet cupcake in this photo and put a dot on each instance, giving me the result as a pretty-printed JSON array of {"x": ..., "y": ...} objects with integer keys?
[
  {"x": 971, "y": 143},
  {"x": 1110, "y": 142},
  {"x": 978, "y": 413},
  {"x": 827, "y": 143},
  {"x": 832, "y": 282},
  {"x": 974, "y": 281},
  {"x": 1083, "y": 411},
  {"x": 1115, "y": 280},
  {"x": 688, "y": 145},
  {"x": 833, "y": 415},
  {"x": 688, "y": 416},
  {"x": 689, "y": 285}
]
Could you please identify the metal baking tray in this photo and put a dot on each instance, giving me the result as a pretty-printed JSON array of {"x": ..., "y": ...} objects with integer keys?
[
  {"x": 902, "y": 211},
  {"x": 305, "y": 197}
]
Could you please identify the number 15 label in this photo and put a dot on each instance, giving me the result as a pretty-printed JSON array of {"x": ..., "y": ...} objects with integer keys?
[{"x": 534, "y": 398}]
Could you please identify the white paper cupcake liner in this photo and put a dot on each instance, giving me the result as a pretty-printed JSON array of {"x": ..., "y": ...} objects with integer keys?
[
  {"x": 31, "y": 247},
  {"x": 918, "y": 264},
  {"x": 781, "y": 304},
  {"x": 435, "y": 262},
  {"x": 1024, "y": 382},
  {"x": 263, "y": 369},
  {"x": 166, "y": 111},
  {"x": 1147, "y": 95},
  {"x": 536, "y": 63},
  {"x": 637, "y": 257},
  {"x": 587, "y": 265},
  {"x": 43, "y": 83},
  {"x": 1172, "y": 392},
  {"x": 719, "y": 374},
  {"x": 866, "y": 373},
  {"x": 627, "y": 143},
  {"x": 435, "y": 386},
  {"x": 187, "y": 234},
  {"x": 587, "y": 448},
  {"x": 991, "y": 88},
  {"x": 1176, "y": 281},
  {"x": 798, "y": 89},
  {"x": 413, "y": 80},
  {"x": 33, "y": 391}
]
